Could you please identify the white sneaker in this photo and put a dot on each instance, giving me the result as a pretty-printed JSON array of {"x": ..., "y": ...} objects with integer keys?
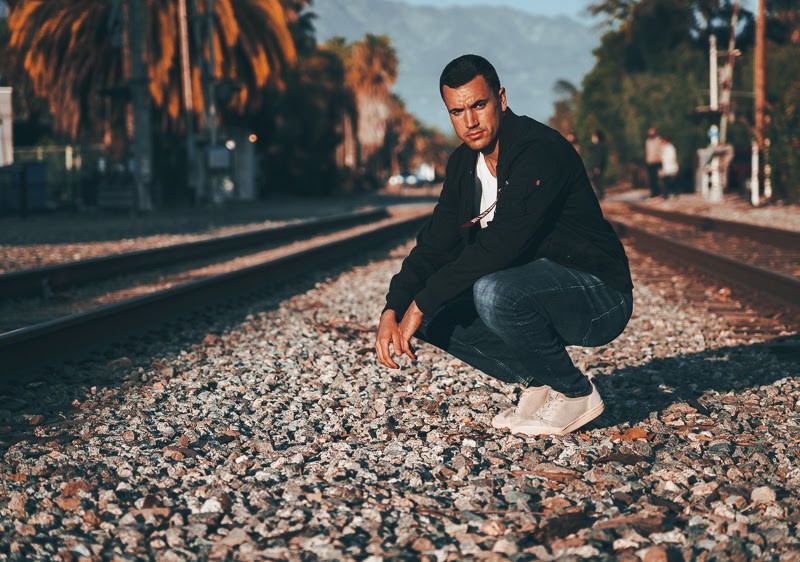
[
  {"x": 530, "y": 400},
  {"x": 560, "y": 414}
]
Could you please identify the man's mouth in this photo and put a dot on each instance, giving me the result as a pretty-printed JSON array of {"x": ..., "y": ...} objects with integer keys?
[{"x": 475, "y": 134}]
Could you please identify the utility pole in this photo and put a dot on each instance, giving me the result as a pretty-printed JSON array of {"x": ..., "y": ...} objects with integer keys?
[
  {"x": 710, "y": 186},
  {"x": 212, "y": 97},
  {"x": 142, "y": 136},
  {"x": 188, "y": 99},
  {"x": 758, "y": 109},
  {"x": 205, "y": 177},
  {"x": 713, "y": 73},
  {"x": 758, "y": 75},
  {"x": 727, "y": 81}
]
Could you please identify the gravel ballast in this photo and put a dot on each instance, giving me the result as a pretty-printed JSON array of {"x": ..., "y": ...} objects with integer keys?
[{"x": 273, "y": 434}]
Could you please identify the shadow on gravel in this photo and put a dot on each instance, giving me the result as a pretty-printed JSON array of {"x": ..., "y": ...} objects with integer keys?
[
  {"x": 44, "y": 405},
  {"x": 631, "y": 394}
]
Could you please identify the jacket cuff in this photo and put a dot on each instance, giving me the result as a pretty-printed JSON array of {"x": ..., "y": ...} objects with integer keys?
[
  {"x": 426, "y": 302},
  {"x": 397, "y": 302}
]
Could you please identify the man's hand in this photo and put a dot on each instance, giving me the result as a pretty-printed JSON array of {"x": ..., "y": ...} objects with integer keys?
[
  {"x": 388, "y": 333},
  {"x": 399, "y": 336},
  {"x": 408, "y": 327}
]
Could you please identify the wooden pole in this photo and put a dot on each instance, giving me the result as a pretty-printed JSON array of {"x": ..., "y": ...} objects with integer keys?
[
  {"x": 727, "y": 82},
  {"x": 188, "y": 99},
  {"x": 142, "y": 137},
  {"x": 758, "y": 75},
  {"x": 713, "y": 73}
]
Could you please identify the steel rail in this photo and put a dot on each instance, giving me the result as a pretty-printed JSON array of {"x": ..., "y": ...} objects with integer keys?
[
  {"x": 31, "y": 347},
  {"x": 35, "y": 281},
  {"x": 773, "y": 284},
  {"x": 765, "y": 234}
]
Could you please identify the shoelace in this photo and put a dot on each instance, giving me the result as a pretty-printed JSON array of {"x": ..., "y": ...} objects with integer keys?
[
  {"x": 550, "y": 404},
  {"x": 525, "y": 392}
]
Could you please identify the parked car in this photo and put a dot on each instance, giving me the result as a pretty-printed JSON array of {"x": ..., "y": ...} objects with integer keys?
[{"x": 404, "y": 178}]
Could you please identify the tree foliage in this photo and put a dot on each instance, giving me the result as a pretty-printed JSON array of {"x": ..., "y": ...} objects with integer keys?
[
  {"x": 336, "y": 126},
  {"x": 69, "y": 47},
  {"x": 324, "y": 116},
  {"x": 652, "y": 70}
]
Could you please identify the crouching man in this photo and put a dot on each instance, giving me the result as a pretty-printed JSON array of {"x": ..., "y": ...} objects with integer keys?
[{"x": 515, "y": 263}]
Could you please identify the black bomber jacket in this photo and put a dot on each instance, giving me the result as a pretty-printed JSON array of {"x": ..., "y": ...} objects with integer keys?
[{"x": 546, "y": 209}]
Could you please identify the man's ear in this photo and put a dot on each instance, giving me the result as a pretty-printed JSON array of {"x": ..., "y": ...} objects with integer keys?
[{"x": 502, "y": 94}]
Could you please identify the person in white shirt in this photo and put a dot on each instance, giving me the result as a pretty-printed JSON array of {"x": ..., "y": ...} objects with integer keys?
[
  {"x": 669, "y": 167},
  {"x": 652, "y": 157}
]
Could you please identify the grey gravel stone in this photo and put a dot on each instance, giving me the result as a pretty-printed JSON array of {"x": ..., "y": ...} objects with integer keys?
[{"x": 277, "y": 437}]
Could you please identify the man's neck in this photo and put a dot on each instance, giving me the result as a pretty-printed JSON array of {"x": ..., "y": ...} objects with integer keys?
[
  {"x": 490, "y": 155},
  {"x": 492, "y": 151}
]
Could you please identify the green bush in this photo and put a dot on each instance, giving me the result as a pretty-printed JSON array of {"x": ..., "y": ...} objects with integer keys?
[{"x": 784, "y": 154}]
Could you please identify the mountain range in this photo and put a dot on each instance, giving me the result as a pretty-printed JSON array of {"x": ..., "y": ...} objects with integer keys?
[{"x": 530, "y": 52}]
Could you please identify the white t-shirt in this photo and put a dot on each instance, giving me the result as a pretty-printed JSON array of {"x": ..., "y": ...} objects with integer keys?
[
  {"x": 669, "y": 160},
  {"x": 487, "y": 183}
]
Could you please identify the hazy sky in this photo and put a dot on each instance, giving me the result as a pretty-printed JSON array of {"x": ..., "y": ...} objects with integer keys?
[{"x": 575, "y": 9}]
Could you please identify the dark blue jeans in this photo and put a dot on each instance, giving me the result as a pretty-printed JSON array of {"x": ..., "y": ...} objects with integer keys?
[{"x": 514, "y": 324}]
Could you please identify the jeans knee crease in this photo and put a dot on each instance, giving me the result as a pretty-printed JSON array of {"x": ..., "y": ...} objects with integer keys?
[
  {"x": 594, "y": 321},
  {"x": 500, "y": 363}
]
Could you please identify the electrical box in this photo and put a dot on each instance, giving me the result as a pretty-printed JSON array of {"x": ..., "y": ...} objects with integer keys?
[
  {"x": 219, "y": 158},
  {"x": 6, "y": 128}
]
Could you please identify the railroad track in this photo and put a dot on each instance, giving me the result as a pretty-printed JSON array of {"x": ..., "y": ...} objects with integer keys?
[
  {"x": 761, "y": 259},
  {"x": 768, "y": 235},
  {"x": 47, "y": 279},
  {"x": 25, "y": 349},
  {"x": 31, "y": 346},
  {"x": 723, "y": 267}
]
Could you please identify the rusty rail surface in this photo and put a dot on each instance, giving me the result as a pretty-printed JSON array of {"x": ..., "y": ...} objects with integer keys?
[
  {"x": 35, "y": 281},
  {"x": 780, "y": 237},
  {"x": 774, "y": 285}
]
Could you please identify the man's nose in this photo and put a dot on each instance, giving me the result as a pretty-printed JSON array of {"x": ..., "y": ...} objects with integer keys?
[{"x": 470, "y": 119}]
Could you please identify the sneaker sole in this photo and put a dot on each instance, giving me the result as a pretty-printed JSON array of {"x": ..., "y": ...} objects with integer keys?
[
  {"x": 584, "y": 419},
  {"x": 581, "y": 421}
]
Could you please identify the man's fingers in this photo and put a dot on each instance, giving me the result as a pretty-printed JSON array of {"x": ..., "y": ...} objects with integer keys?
[
  {"x": 384, "y": 357},
  {"x": 397, "y": 343},
  {"x": 408, "y": 350},
  {"x": 406, "y": 339},
  {"x": 394, "y": 341}
]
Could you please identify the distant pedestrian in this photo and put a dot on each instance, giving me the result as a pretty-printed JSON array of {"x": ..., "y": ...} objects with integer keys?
[
  {"x": 573, "y": 140},
  {"x": 597, "y": 162},
  {"x": 669, "y": 167},
  {"x": 652, "y": 157}
]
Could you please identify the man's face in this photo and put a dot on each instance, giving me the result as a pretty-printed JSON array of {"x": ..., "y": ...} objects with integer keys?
[{"x": 475, "y": 112}]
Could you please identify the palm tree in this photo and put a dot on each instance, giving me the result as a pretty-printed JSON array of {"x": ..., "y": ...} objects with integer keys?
[
  {"x": 371, "y": 71},
  {"x": 563, "y": 118},
  {"x": 68, "y": 47}
]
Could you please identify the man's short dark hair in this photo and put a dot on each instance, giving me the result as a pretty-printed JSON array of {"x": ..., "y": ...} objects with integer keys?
[{"x": 464, "y": 69}]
